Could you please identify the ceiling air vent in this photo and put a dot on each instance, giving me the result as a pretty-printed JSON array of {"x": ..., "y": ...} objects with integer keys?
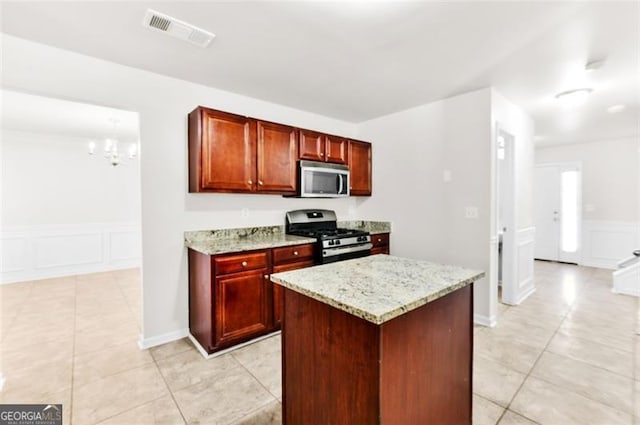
[{"x": 176, "y": 28}]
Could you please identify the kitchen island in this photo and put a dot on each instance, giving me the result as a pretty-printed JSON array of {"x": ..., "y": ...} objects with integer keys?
[{"x": 377, "y": 340}]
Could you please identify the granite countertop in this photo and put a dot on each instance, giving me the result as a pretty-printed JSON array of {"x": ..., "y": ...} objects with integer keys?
[
  {"x": 373, "y": 227},
  {"x": 377, "y": 288},
  {"x": 223, "y": 241}
]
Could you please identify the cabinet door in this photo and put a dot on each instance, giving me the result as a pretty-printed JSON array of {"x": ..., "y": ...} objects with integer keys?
[
  {"x": 360, "y": 167},
  {"x": 277, "y": 289},
  {"x": 228, "y": 149},
  {"x": 312, "y": 145},
  {"x": 277, "y": 156},
  {"x": 336, "y": 150},
  {"x": 242, "y": 306}
]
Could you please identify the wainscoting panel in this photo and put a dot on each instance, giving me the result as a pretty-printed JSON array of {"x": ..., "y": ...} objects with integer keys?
[
  {"x": 605, "y": 243},
  {"x": 40, "y": 252}
]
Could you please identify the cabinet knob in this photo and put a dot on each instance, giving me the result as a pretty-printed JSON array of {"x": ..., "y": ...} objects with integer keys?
[
  {"x": 250, "y": 182},
  {"x": 379, "y": 240},
  {"x": 266, "y": 276},
  {"x": 260, "y": 182},
  {"x": 295, "y": 252},
  {"x": 244, "y": 264},
  {"x": 321, "y": 154}
]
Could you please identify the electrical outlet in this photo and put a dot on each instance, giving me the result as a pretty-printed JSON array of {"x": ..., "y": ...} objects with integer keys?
[
  {"x": 244, "y": 213},
  {"x": 471, "y": 212}
]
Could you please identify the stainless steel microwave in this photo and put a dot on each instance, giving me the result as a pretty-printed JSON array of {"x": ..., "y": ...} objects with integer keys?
[{"x": 323, "y": 180}]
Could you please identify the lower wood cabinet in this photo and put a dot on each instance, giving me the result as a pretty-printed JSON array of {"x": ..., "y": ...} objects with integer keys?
[
  {"x": 242, "y": 306},
  {"x": 380, "y": 244},
  {"x": 231, "y": 298}
]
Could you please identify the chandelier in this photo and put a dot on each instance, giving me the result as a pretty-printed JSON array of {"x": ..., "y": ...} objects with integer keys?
[{"x": 112, "y": 150}]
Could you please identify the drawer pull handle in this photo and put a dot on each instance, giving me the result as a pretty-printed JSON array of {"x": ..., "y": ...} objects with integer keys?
[
  {"x": 244, "y": 264},
  {"x": 295, "y": 252}
]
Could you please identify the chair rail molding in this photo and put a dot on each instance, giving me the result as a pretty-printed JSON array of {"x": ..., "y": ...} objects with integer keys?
[{"x": 41, "y": 252}]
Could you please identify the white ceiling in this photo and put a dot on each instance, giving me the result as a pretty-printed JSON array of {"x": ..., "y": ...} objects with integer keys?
[
  {"x": 37, "y": 114},
  {"x": 357, "y": 60}
]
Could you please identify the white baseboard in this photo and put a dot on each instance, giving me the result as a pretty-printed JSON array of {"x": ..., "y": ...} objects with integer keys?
[
  {"x": 42, "y": 252},
  {"x": 605, "y": 243},
  {"x": 146, "y": 343},
  {"x": 485, "y": 321},
  {"x": 525, "y": 295},
  {"x": 208, "y": 356}
]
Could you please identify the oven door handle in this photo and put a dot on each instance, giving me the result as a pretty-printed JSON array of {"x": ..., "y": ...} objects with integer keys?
[{"x": 330, "y": 252}]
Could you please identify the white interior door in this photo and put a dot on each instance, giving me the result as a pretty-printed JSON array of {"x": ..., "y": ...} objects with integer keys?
[
  {"x": 547, "y": 212},
  {"x": 557, "y": 207}
]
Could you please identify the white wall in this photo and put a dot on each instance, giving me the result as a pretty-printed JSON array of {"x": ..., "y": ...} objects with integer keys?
[
  {"x": 49, "y": 179},
  {"x": 167, "y": 209},
  {"x": 63, "y": 211},
  {"x": 411, "y": 151},
  {"x": 610, "y": 176},
  {"x": 610, "y": 196}
]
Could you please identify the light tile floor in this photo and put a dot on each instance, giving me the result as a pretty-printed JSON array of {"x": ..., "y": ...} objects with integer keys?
[{"x": 568, "y": 355}]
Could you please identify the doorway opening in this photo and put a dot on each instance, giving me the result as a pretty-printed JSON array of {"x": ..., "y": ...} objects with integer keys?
[
  {"x": 70, "y": 243},
  {"x": 558, "y": 211},
  {"x": 506, "y": 235}
]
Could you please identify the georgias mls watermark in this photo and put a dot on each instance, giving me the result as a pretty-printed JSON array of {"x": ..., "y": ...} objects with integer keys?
[{"x": 30, "y": 414}]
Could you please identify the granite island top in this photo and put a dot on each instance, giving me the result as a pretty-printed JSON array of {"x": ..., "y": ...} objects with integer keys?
[
  {"x": 377, "y": 288},
  {"x": 224, "y": 241}
]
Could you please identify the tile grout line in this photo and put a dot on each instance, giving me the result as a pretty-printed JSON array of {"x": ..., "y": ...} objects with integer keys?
[
  {"x": 155, "y": 362},
  {"x": 564, "y": 317},
  {"x": 254, "y": 377},
  {"x": 571, "y": 309},
  {"x": 73, "y": 347}
]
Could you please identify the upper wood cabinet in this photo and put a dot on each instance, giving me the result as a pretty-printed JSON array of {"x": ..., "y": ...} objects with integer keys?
[
  {"x": 222, "y": 150},
  {"x": 311, "y": 145},
  {"x": 277, "y": 157},
  {"x": 232, "y": 153},
  {"x": 336, "y": 150},
  {"x": 316, "y": 146},
  {"x": 360, "y": 168},
  {"x": 238, "y": 154}
]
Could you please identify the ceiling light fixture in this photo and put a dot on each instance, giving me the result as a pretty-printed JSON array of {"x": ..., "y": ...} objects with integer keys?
[
  {"x": 614, "y": 109},
  {"x": 593, "y": 65},
  {"x": 111, "y": 151},
  {"x": 574, "y": 97}
]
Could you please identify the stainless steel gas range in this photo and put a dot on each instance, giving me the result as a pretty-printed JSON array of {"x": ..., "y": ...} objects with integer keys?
[{"x": 333, "y": 243}]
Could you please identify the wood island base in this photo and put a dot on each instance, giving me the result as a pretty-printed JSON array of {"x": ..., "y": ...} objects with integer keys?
[{"x": 415, "y": 369}]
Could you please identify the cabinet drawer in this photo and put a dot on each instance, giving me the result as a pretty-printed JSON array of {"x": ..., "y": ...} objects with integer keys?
[
  {"x": 240, "y": 262},
  {"x": 292, "y": 253},
  {"x": 380, "y": 239}
]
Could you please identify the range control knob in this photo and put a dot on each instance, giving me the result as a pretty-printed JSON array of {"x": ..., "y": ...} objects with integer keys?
[
  {"x": 331, "y": 242},
  {"x": 337, "y": 242}
]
